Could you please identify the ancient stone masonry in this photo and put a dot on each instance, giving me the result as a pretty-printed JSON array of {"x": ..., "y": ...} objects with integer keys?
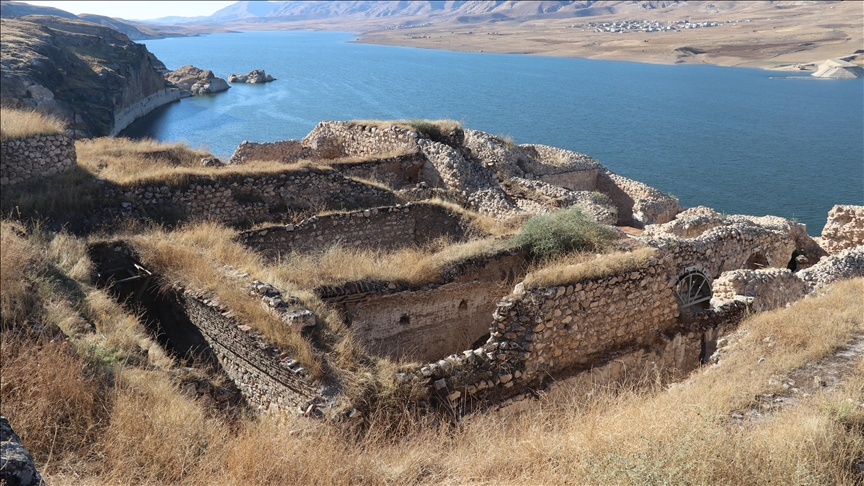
[
  {"x": 844, "y": 228},
  {"x": 638, "y": 204},
  {"x": 331, "y": 140},
  {"x": 268, "y": 378},
  {"x": 383, "y": 228},
  {"x": 433, "y": 320},
  {"x": 237, "y": 199},
  {"x": 766, "y": 289},
  {"x": 481, "y": 171},
  {"x": 39, "y": 156},
  {"x": 845, "y": 264},
  {"x": 286, "y": 151},
  {"x": 595, "y": 203},
  {"x": 538, "y": 333},
  {"x": 740, "y": 244}
]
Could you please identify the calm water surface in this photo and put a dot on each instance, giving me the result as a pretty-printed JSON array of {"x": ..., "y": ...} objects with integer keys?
[{"x": 737, "y": 140}]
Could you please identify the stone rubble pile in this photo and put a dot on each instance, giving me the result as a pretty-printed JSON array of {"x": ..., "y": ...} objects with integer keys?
[{"x": 848, "y": 263}]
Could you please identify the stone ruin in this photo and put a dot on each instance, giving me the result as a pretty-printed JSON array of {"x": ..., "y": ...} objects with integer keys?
[
  {"x": 481, "y": 336},
  {"x": 480, "y": 171}
]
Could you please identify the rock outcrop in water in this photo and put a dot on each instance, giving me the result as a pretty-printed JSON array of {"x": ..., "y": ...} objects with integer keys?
[
  {"x": 196, "y": 81},
  {"x": 255, "y": 76},
  {"x": 94, "y": 78}
]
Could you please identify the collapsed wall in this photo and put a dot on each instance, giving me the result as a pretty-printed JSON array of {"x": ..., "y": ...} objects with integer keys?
[
  {"x": 385, "y": 228},
  {"x": 35, "y": 157}
]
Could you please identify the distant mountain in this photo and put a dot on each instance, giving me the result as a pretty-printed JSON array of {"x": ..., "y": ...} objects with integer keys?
[
  {"x": 444, "y": 10},
  {"x": 133, "y": 30}
]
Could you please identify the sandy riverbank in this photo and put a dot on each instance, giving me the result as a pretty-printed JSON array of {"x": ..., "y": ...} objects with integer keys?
[{"x": 761, "y": 38}]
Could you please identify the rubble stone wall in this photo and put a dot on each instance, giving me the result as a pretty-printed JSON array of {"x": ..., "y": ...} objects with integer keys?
[
  {"x": 267, "y": 380},
  {"x": 331, "y": 139},
  {"x": 726, "y": 248},
  {"x": 638, "y": 204},
  {"x": 434, "y": 320},
  {"x": 395, "y": 172},
  {"x": 425, "y": 325},
  {"x": 241, "y": 199},
  {"x": 844, "y": 228},
  {"x": 769, "y": 288},
  {"x": 286, "y": 151},
  {"x": 385, "y": 228},
  {"x": 34, "y": 157},
  {"x": 542, "y": 332}
]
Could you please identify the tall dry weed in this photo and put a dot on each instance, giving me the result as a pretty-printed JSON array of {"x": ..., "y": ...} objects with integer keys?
[{"x": 17, "y": 124}]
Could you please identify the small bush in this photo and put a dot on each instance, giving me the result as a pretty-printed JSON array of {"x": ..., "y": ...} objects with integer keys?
[
  {"x": 551, "y": 235},
  {"x": 17, "y": 124}
]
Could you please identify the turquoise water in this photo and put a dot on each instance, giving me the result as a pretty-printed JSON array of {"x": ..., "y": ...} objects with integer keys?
[{"x": 737, "y": 140}]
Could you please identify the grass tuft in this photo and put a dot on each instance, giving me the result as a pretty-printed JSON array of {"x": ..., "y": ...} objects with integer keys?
[{"x": 551, "y": 235}]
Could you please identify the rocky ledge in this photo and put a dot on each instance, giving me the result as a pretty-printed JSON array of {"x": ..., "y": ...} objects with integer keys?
[
  {"x": 255, "y": 76},
  {"x": 92, "y": 77},
  {"x": 196, "y": 81}
]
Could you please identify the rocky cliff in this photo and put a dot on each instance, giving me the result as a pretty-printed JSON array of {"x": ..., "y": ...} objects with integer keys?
[{"x": 93, "y": 77}]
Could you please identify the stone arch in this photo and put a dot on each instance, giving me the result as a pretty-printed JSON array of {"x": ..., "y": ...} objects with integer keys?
[
  {"x": 693, "y": 290},
  {"x": 756, "y": 261}
]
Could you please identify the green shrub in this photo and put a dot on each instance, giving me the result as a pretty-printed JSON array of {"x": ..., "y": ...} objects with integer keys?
[{"x": 551, "y": 235}]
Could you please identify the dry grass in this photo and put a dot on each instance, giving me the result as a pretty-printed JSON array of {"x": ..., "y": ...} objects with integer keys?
[
  {"x": 166, "y": 443},
  {"x": 486, "y": 224},
  {"x": 18, "y": 124},
  {"x": 120, "y": 159},
  {"x": 336, "y": 264},
  {"x": 586, "y": 266},
  {"x": 52, "y": 400},
  {"x": 18, "y": 260}
]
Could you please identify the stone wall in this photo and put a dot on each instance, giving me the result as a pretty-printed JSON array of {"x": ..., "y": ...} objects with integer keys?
[
  {"x": 33, "y": 157},
  {"x": 395, "y": 172},
  {"x": 638, "y": 204},
  {"x": 383, "y": 228},
  {"x": 844, "y": 228},
  {"x": 741, "y": 244},
  {"x": 285, "y": 151},
  {"x": 541, "y": 332},
  {"x": 239, "y": 199},
  {"x": 842, "y": 265},
  {"x": 332, "y": 139},
  {"x": 768, "y": 288},
  {"x": 436, "y": 319},
  {"x": 268, "y": 379}
]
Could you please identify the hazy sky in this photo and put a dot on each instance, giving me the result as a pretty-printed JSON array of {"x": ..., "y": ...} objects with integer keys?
[{"x": 138, "y": 10}]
